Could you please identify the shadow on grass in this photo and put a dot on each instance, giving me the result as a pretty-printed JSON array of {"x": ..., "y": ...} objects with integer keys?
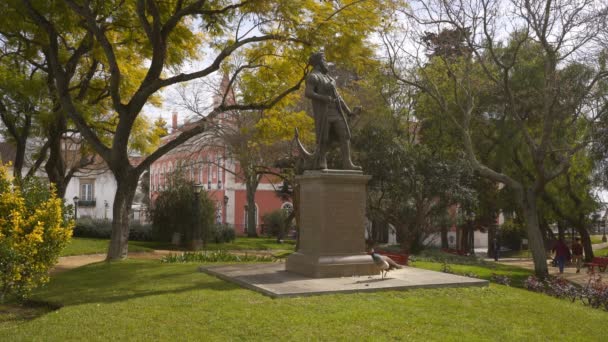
[
  {"x": 15, "y": 313},
  {"x": 120, "y": 281}
]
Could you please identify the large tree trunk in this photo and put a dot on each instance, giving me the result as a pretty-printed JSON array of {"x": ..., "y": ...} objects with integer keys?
[
  {"x": 119, "y": 247},
  {"x": 55, "y": 165},
  {"x": 546, "y": 230},
  {"x": 252, "y": 186},
  {"x": 20, "y": 135},
  {"x": 19, "y": 161},
  {"x": 420, "y": 226},
  {"x": 561, "y": 230},
  {"x": 296, "y": 210},
  {"x": 586, "y": 242},
  {"x": 491, "y": 236},
  {"x": 535, "y": 238},
  {"x": 444, "y": 237},
  {"x": 466, "y": 237},
  {"x": 406, "y": 236}
]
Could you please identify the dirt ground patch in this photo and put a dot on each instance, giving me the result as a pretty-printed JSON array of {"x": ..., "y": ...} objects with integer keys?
[
  {"x": 71, "y": 262},
  {"x": 75, "y": 261}
]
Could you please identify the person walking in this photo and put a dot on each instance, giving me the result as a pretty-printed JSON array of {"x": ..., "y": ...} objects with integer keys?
[
  {"x": 577, "y": 254},
  {"x": 562, "y": 252}
]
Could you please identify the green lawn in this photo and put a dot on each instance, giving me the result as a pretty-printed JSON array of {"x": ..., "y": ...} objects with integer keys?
[
  {"x": 596, "y": 239},
  {"x": 245, "y": 243},
  {"x": 517, "y": 274},
  {"x": 79, "y": 246},
  {"x": 601, "y": 252},
  {"x": 525, "y": 253},
  {"x": 146, "y": 300}
]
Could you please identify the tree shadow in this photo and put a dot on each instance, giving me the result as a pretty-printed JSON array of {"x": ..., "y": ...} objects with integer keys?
[
  {"x": 16, "y": 313},
  {"x": 115, "y": 282}
]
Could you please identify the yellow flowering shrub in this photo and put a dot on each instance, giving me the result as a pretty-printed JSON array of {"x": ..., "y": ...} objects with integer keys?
[{"x": 33, "y": 231}]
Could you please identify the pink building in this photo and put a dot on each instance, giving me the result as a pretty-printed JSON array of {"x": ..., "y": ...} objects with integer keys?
[{"x": 205, "y": 160}]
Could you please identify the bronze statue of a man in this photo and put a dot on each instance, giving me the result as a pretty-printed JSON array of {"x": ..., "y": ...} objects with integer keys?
[{"x": 330, "y": 113}]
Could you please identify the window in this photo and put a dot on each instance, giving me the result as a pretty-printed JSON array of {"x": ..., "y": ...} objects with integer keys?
[
  {"x": 86, "y": 189},
  {"x": 255, "y": 213},
  {"x": 156, "y": 179},
  {"x": 218, "y": 213},
  {"x": 162, "y": 177},
  {"x": 87, "y": 193},
  {"x": 209, "y": 173},
  {"x": 219, "y": 172}
]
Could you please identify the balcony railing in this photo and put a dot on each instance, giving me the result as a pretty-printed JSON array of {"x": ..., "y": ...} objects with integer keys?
[{"x": 86, "y": 203}]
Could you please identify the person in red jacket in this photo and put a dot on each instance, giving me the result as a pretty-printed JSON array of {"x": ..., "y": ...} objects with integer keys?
[
  {"x": 562, "y": 253},
  {"x": 577, "y": 254}
]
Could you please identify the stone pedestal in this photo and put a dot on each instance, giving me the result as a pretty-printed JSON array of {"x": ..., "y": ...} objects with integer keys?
[{"x": 332, "y": 225}]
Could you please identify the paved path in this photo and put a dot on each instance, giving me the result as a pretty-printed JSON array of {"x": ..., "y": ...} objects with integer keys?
[{"x": 569, "y": 271}]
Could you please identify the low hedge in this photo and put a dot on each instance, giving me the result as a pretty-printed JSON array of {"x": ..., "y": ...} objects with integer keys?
[
  {"x": 102, "y": 229},
  {"x": 222, "y": 233}
]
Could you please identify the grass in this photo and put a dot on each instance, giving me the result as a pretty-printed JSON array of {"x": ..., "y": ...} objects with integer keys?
[
  {"x": 517, "y": 274},
  {"x": 596, "y": 239},
  {"x": 601, "y": 252},
  {"x": 80, "y": 246},
  {"x": 12, "y": 314},
  {"x": 436, "y": 260},
  {"x": 525, "y": 253},
  {"x": 246, "y": 243},
  {"x": 147, "y": 300}
]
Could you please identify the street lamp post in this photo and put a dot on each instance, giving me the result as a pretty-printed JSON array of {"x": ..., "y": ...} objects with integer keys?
[
  {"x": 572, "y": 236},
  {"x": 198, "y": 239},
  {"x": 75, "y": 207},
  {"x": 105, "y": 213},
  {"x": 496, "y": 243},
  {"x": 225, "y": 208},
  {"x": 246, "y": 219}
]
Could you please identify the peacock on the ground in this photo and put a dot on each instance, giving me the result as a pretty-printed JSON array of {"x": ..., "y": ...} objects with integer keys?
[{"x": 384, "y": 263}]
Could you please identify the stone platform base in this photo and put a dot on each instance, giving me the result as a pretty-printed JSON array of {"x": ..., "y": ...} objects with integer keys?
[
  {"x": 331, "y": 266},
  {"x": 272, "y": 280}
]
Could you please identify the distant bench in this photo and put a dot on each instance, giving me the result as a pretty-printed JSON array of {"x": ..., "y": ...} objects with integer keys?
[
  {"x": 400, "y": 258},
  {"x": 600, "y": 262}
]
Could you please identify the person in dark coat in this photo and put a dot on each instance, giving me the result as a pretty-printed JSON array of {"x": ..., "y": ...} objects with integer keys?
[{"x": 562, "y": 253}]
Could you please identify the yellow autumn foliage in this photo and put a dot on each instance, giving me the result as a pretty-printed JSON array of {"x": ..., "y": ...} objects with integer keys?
[{"x": 32, "y": 234}]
